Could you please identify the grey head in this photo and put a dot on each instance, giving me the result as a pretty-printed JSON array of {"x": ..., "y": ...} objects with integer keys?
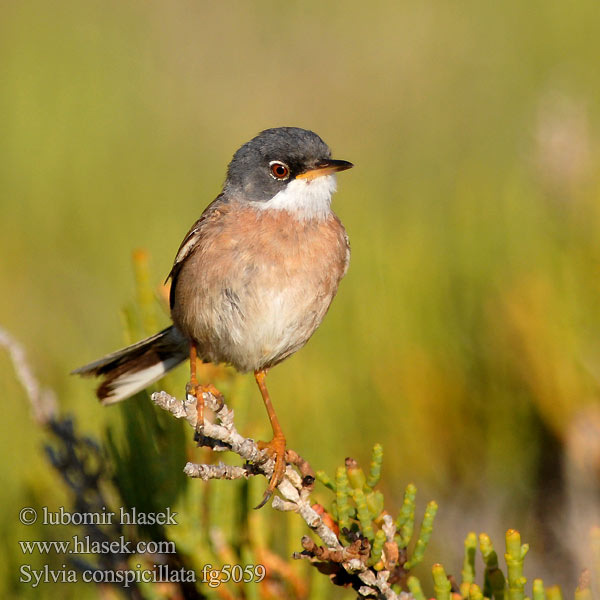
[{"x": 270, "y": 162}]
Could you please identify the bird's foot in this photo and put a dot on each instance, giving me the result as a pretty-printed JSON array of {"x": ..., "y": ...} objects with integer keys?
[
  {"x": 275, "y": 449},
  {"x": 209, "y": 388},
  {"x": 194, "y": 389}
]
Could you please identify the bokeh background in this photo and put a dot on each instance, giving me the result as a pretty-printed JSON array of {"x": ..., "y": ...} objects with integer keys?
[{"x": 466, "y": 335}]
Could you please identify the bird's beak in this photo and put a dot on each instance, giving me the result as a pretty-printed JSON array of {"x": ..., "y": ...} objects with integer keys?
[{"x": 325, "y": 167}]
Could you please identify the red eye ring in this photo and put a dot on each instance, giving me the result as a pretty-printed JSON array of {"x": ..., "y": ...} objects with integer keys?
[{"x": 279, "y": 170}]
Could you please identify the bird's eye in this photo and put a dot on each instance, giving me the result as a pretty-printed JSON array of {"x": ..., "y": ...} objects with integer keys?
[{"x": 279, "y": 170}]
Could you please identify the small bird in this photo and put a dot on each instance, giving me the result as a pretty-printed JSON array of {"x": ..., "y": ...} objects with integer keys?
[{"x": 252, "y": 279}]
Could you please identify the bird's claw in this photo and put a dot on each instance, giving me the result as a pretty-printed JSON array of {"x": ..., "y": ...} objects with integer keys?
[
  {"x": 275, "y": 449},
  {"x": 193, "y": 388}
]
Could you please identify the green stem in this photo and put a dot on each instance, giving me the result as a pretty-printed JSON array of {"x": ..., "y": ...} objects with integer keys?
[
  {"x": 468, "y": 570},
  {"x": 441, "y": 585},
  {"x": 375, "y": 470},
  {"x": 515, "y": 556},
  {"x": 406, "y": 519},
  {"x": 424, "y": 535}
]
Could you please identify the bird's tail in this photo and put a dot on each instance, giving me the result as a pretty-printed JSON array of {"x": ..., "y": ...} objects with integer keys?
[{"x": 129, "y": 370}]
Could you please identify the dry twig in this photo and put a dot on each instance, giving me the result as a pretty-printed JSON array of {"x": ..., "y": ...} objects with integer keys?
[
  {"x": 347, "y": 564},
  {"x": 42, "y": 400}
]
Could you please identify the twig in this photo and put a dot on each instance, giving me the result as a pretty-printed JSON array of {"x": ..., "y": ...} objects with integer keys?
[
  {"x": 41, "y": 400},
  {"x": 350, "y": 563}
]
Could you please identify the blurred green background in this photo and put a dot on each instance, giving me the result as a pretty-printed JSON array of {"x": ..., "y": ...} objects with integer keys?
[{"x": 466, "y": 335}]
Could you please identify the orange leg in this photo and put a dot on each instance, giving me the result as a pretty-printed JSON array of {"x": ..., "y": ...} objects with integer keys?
[
  {"x": 197, "y": 390},
  {"x": 193, "y": 387},
  {"x": 276, "y": 447}
]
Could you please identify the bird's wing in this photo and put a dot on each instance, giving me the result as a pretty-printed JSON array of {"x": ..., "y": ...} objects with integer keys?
[{"x": 190, "y": 241}]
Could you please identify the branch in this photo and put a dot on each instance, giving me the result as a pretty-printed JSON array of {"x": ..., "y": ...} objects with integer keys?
[{"x": 348, "y": 564}]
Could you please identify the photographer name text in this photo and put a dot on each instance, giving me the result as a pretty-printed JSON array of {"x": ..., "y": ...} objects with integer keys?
[{"x": 105, "y": 517}]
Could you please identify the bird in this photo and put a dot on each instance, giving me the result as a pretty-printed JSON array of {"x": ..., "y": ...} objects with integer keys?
[{"x": 252, "y": 279}]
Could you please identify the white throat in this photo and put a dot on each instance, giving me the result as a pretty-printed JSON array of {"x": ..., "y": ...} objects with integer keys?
[{"x": 306, "y": 199}]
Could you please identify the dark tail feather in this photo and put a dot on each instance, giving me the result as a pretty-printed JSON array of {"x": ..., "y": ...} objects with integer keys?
[{"x": 129, "y": 370}]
